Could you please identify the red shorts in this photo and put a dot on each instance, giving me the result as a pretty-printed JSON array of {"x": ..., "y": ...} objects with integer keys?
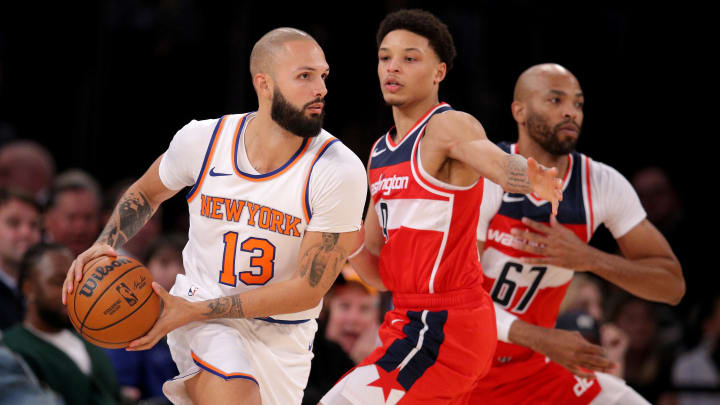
[
  {"x": 434, "y": 350},
  {"x": 552, "y": 384}
]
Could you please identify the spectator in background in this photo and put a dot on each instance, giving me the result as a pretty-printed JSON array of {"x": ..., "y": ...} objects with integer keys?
[
  {"x": 27, "y": 166},
  {"x": 73, "y": 213},
  {"x": 142, "y": 373},
  {"x": 136, "y": 247},
  {"x": 19, "y": 229},
  {"x": 583, "y": 300},
  {"x": 18, "y": 384},
  {"x": 647, "y": 360},
  {"x": 700, "y": 367},
  {"x": 80, "y": 372},
  {"x": 349, "y": 334}
]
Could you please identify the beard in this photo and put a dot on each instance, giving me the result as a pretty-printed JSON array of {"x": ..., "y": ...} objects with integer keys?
[
  {"x": 52, "y": 317},
  {"x": 293, "y": 119},
  {"x": 548, "y": 137}
]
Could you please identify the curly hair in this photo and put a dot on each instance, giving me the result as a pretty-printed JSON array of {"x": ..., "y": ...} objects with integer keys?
[{"x": 424, "y": 24}]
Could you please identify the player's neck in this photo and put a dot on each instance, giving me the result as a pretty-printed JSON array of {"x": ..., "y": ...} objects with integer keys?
[
  {"x": 529, "y": 148},
  {"x": 406, "y": 115},
  {"x": 268, "y": 145}
]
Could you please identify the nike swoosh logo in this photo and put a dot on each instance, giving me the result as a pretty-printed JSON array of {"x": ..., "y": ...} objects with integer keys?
[
  {"x": 378, "y": 152},
  {"x": 506, "y": 198},
  {"x": 215, "y": 174},
  {"x": 395, "y": 320}
]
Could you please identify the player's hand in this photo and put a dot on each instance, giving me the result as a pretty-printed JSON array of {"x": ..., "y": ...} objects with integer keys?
[
  {"x": 572, "y": 351},
  {"x": 74, "y": 274},
  {"x": 545, "y": 183},
  {"x": 556, "y": 244},
  {"x": 175, "y": 313}
]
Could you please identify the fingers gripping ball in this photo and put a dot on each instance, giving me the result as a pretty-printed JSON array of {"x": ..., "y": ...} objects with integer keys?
[{"x": 114, "y": 303}]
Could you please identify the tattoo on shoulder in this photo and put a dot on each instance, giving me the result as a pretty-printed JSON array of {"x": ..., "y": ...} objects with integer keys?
[
  {"x": 130, "y": 215},
  {"x": 321, "y": 257},
  {"x": 225, "y": 307}
]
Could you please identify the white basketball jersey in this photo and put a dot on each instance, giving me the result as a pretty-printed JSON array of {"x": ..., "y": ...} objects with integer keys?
[{"x": 246, "y": 228}]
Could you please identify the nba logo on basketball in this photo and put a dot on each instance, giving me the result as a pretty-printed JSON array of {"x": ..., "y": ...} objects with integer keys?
[{"x": 127, "y": 294}]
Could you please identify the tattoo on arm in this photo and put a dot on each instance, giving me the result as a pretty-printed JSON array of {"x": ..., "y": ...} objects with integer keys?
[
  {"x": 516, "y": 169},
  {"x": 225, "y": 307},
  {"x": 130, "y": 215},
  {"x": 319, "y": 258}
]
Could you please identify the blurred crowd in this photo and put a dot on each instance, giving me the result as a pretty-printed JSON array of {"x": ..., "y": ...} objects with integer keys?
[{"x": 670, "y": 355}]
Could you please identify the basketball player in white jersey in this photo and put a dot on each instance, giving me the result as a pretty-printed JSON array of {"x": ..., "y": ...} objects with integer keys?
[
  {"x": 274, "y": 208},
  {"x": 529, "y": 255}
]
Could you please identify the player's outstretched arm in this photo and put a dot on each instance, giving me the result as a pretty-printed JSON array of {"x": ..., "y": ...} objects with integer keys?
[
  {"x": 569, "y": 349},
  {"x": 649, "y": 268},
  {"x": 322, "y": 256},
  {"x": 460, "y": 136},
  {"x": 136, "y": 206}
]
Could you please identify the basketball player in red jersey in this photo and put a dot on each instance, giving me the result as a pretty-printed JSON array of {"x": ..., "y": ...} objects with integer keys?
[
  {"x": 425, "y": 179},
  {"x": 530, "y": 254}
]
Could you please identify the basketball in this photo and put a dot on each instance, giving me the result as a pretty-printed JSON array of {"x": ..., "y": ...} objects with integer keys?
[{"x": 114, "y": 303}]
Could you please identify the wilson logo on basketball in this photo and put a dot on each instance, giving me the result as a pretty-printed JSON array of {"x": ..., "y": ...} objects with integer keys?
[{"x": 98, "y": 274}]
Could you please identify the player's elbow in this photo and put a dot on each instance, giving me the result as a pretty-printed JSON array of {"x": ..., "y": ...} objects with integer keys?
[{"x": 677, "y": 292}]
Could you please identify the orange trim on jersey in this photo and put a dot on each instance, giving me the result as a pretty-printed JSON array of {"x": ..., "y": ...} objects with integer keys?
[
  {"x": 209, "y": 367},
  {"x": 208, "y": 159},
  {"x": 267, "y": 176},
  {"x": 412, "y": 128},
  {"x": 307, "y": 177},
  {"x": 589, "y": 195}
]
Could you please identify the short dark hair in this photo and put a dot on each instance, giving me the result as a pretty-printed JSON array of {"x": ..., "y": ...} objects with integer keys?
[
  {"x": 32, "y": 257},
  {"x": 424, "y": 24},
  {"x": 7, "y": 195}
]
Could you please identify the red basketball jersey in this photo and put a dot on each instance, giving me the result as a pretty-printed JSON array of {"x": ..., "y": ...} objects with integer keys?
[{"x": 429, "y": 226}]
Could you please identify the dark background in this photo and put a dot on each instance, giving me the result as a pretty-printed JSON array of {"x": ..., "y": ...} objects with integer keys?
[{"x": 105, "y": 85}]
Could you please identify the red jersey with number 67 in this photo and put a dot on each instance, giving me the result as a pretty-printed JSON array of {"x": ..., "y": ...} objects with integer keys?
[
  {"x": 429, "y": 226},
  {"x": 593, "y": 193}
]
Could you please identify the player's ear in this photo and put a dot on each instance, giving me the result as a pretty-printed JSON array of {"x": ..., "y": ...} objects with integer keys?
[
  {"x": 440, "y": 72},
  {"x": 263, "y": 85},
  {"x": 518, "y": 111}
]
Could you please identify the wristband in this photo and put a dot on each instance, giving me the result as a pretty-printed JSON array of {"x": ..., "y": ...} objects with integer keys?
[
  {"x": 503, "y": 321},
  {"x": 357, "y": 252}
]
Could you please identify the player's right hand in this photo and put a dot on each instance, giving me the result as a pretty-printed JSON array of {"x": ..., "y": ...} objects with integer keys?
[
  {"x": 74, "y": 274},
  {"x": 572, "y": 351}
]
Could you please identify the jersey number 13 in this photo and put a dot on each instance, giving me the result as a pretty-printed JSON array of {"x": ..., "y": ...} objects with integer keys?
[{"x": 265, "y": 262}]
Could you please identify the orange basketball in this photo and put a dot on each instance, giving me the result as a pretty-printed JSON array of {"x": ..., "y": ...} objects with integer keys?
[{"x": 114, "y": 302}]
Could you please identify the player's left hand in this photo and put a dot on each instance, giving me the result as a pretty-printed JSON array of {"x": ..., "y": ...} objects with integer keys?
[
  {"x": 175, "y": 313},
  {"x": 558, "y": 245},
  {"x": 545, "y": 183}
]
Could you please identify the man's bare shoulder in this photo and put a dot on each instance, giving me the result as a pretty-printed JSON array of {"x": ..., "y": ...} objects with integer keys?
[{"x": 454, "y": 126}]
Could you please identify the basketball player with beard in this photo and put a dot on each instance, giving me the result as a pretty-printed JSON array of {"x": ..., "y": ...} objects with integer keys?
[
  {"x": 529, "y": 255},
  {"x": 275, "y": 204}
]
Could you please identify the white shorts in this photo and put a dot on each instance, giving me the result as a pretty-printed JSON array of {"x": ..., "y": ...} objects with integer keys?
[
  {"x": 616, "y": 392},
  {"x": 276, "y": 356}
]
